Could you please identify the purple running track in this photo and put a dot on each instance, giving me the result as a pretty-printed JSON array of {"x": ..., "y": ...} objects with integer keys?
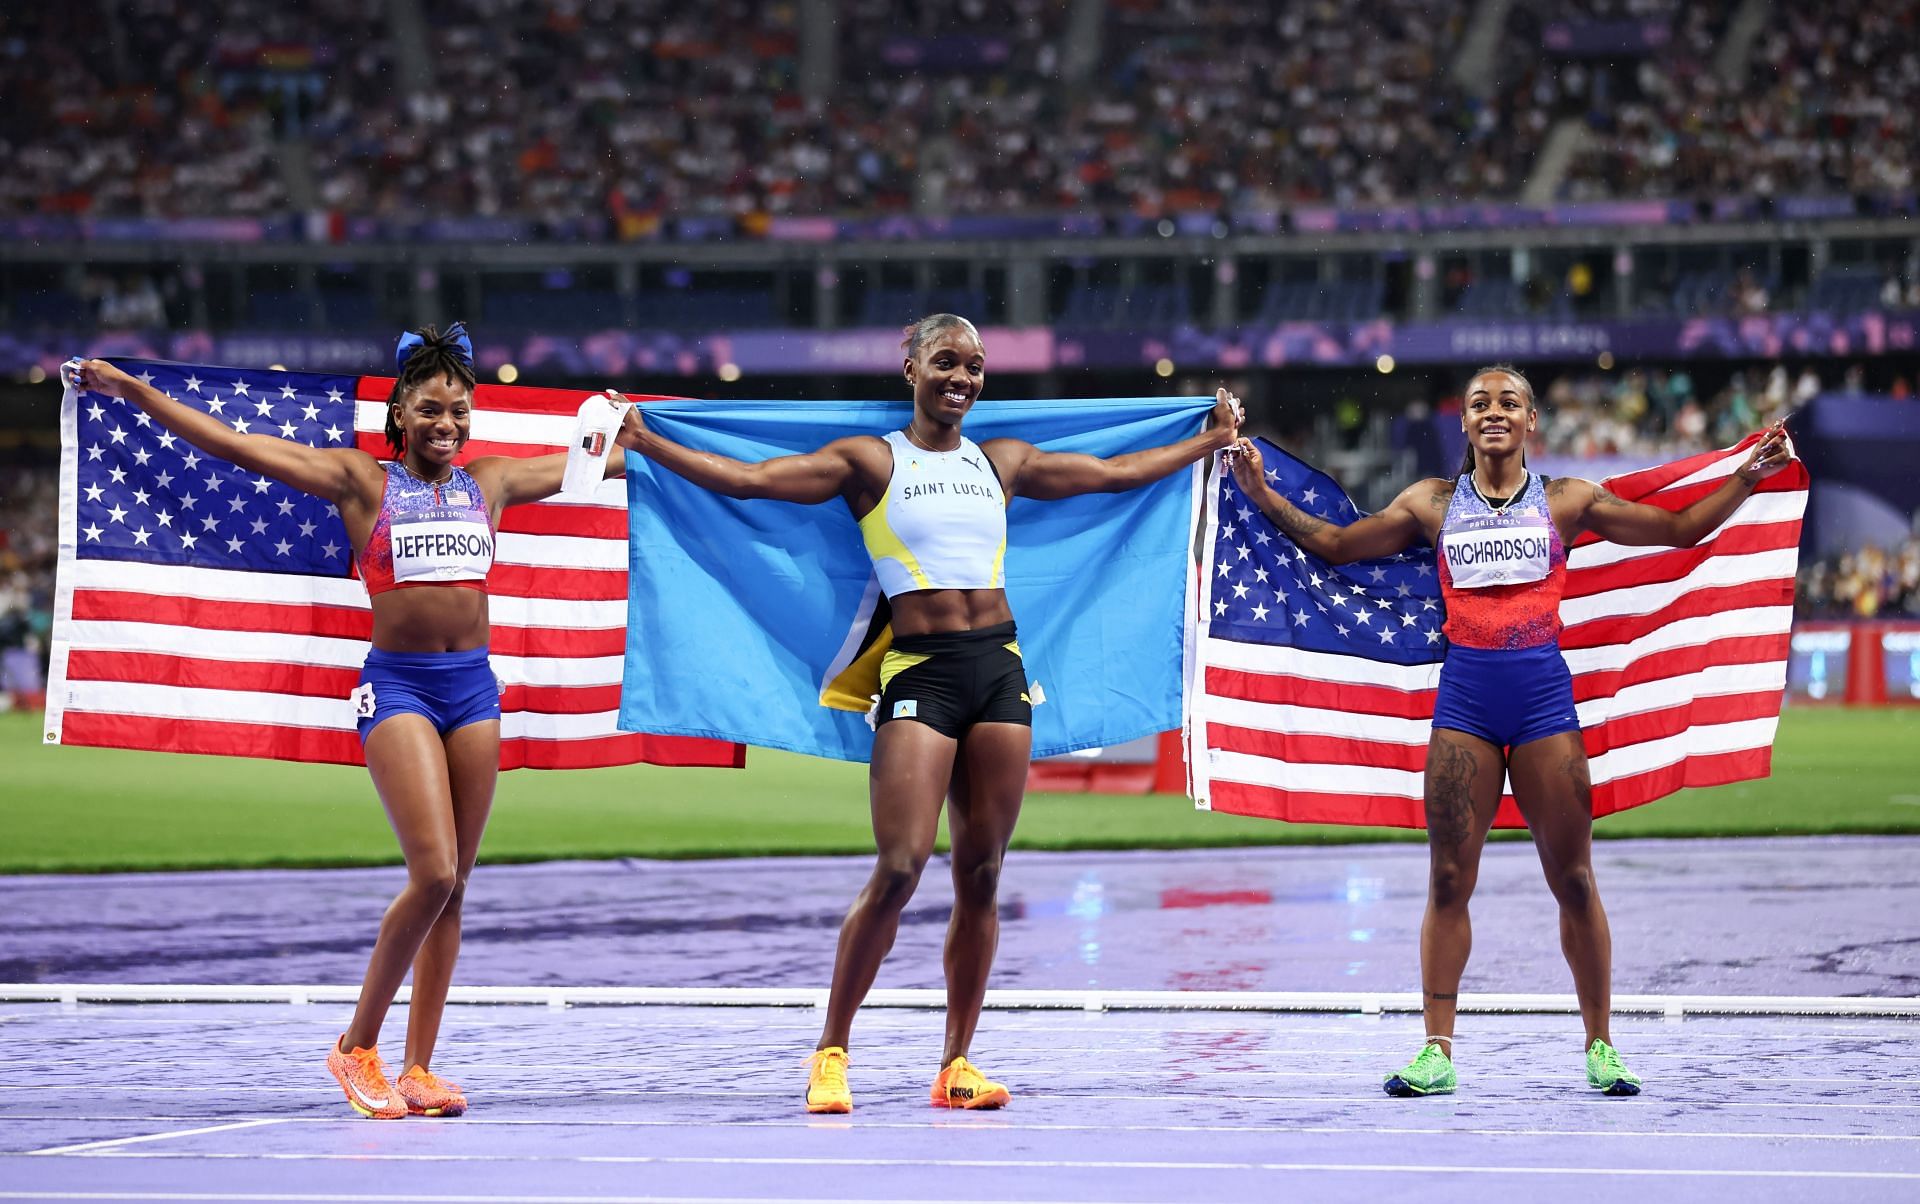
[
  {"x": 229, "y": 1101},
  {"x": 1803, "y": 916},
  {"x": 224, "y": 1101}
]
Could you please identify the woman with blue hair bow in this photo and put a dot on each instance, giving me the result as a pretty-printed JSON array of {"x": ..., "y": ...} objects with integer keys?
[{"x": 427, "y": 705}]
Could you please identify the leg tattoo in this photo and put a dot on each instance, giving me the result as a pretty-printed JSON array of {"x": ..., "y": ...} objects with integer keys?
[{"x": 1450, "y": 769}]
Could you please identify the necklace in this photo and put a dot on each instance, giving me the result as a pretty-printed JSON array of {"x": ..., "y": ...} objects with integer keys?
[
  {"x": 923, "y": 445},
  {"x": 1500, "y": 507},
  {"x": 423, "y": 480}
]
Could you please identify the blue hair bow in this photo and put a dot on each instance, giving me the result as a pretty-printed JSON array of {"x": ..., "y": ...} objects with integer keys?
[{"x": 455, "y": 334}]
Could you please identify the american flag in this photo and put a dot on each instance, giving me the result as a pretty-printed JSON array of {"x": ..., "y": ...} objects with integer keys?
[
  {"x": 1311, "y": 687},
  {"x": 202, "y": 608}
]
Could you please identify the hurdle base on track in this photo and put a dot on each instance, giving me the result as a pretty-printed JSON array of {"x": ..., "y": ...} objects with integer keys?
[{"x": 1361, "y": 1003}]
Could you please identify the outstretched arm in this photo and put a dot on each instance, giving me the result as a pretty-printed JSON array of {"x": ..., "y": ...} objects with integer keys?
[
  {"x": 1612, "y": 517},
  {"x": 335, "y": 474},
  {"x": 814, "y": 477},
  {"x": 511, "y": 480},
  {"x": 517, "y": 479},
  {"x": 1392, "y": 530},
  {"x": 1026, "y": 471}
]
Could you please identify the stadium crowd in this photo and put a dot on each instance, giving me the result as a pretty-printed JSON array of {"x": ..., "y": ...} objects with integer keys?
[
  {"x": 637, "y": 108},
  {"x": 642, "y": 108},
  {"x": 160, "y": 107},
  {"x": 1202, "y": 105},
  {"x": 1658, "y": 412},
  {"x": 1868, "y": 582},
  {"x": 1825, "y": 105},
  {"x": 27, "y": 554}
]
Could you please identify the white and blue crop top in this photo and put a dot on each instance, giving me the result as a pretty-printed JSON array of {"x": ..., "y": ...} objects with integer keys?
[{"x": 942, "y": 523}]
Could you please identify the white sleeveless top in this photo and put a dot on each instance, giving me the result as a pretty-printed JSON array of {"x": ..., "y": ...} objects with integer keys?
[{"x": 942, "y": 523}]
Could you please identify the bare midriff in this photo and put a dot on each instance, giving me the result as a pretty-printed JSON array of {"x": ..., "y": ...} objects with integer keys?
[
  {"x": 937, "y": 611},
  {"x": 430, "y": 618}
]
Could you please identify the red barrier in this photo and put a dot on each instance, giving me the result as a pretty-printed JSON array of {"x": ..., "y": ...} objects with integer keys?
[
  {"x": 1105, "y": 773},
  {"x": 1866, "y": 667},
  {"x": 1863, "y": 662}
]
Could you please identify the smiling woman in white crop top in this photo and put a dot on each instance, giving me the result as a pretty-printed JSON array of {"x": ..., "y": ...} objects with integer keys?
[
  {"x": 932, "y": 508},
  {"x": 942, "y": 522}
]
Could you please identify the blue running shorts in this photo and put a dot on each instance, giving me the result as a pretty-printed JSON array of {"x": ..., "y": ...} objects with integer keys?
[
  {"x": 1506, "y": 696},
  {"x": 452, "y": 689}
]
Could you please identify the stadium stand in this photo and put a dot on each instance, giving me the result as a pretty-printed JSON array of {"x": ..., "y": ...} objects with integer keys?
[
  {"x": 636, "y": 109},
  {"x": 1823, "y": 105}
]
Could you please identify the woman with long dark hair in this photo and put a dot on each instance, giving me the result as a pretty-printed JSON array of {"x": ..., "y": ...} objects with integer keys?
[
  {"x": 1504, "y": 708},
  {"x": 428, "y": 705}
]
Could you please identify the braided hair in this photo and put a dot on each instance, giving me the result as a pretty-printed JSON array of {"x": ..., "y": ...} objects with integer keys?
[{"x": 437, "y": 356}]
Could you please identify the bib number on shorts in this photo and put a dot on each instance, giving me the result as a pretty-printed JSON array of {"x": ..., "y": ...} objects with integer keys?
[{"x": 362, "y": 699}]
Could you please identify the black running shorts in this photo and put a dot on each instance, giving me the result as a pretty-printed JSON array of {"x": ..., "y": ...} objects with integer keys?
[{"x": 953, "y": 680}]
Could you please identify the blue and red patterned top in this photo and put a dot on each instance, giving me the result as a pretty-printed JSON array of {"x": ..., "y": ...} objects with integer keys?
[
  {"x": 1502, "y": 571},
  {"x": 428, "y": 533}
]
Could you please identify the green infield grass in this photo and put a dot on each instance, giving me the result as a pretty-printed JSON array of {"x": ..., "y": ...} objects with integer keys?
[{"x": 85, "y": 809}]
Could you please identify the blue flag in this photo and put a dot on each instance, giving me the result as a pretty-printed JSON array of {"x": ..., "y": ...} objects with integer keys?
[{"x": 743, "y": 614}]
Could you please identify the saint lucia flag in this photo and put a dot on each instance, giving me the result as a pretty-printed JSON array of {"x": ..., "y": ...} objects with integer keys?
[{"x": 758, "y": 621}]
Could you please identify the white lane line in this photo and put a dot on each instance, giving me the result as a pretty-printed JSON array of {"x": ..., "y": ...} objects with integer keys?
[
  {"x": 1198, "y": 1094},
  {"x": 119, "y": 1141},
  {"x": 1338, "y": 1168},
  {"x": 1704, "y": 1037},
  {"x": 477, "y": 1070},
  {"x": 1050, "y": 1058},
  {"x": 978, "y": 1164},
  {"x": 472, "y": 1071},
  {"x": 1016, "y": 999},
  {"x": 1757, "y": 1019},
  {"x": 1712, "y": 1030},
  {"x": 985, "y": 1124},
  {"x": 470, "y": 1198}
]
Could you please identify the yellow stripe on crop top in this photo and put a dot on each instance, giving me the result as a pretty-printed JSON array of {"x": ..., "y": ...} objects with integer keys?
[{"x": 942, "y": 523}]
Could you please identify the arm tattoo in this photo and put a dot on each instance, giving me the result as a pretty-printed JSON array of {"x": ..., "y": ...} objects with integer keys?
[
  {"x": 1556, "y": 487},
  {"x": 1606, "y": 497},
  {"x": 1450, "y": 818},
  {"x": 1442, "y": 995},
  {"x": 1296, "y": 523}
]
